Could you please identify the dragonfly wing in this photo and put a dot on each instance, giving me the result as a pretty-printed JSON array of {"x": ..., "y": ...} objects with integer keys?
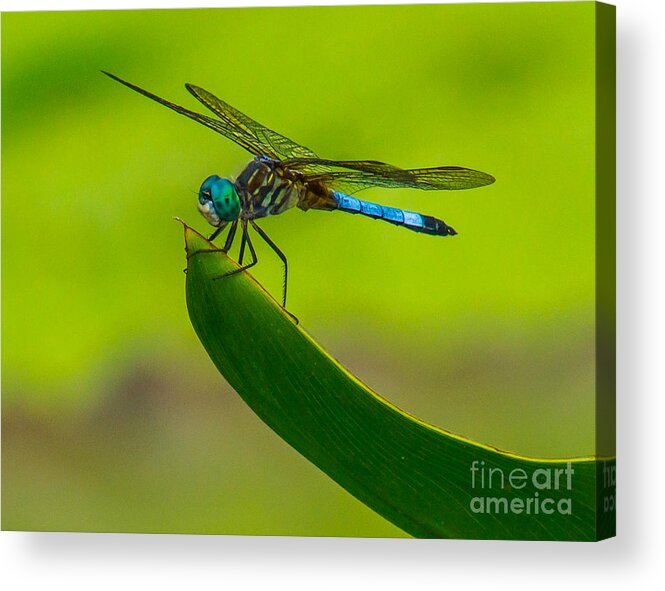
[
  {"x": 281, "y": 146},
  {"x": 355, "y": 175},
  {"x": 451, "y": 178},
  {"x": 224, "y": 127}
]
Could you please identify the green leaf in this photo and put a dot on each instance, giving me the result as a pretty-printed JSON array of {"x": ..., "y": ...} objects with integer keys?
[{"x": 415, "y": 475}]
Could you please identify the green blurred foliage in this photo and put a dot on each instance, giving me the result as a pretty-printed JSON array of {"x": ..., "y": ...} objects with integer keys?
[{"x": 114, "y": 418}]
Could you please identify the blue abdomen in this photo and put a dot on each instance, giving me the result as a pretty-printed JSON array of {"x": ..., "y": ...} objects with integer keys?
[{"x": 412, "y": 220}]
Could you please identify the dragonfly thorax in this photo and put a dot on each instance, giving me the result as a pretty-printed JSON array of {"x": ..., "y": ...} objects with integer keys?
[{"x": 218, "y": 200}]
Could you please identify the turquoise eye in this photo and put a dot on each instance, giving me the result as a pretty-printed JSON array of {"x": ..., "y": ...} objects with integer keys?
[
  {"x": 223, "y": 195},
  {"x": 225, "y": 199},
  {"x": 206, "y": 186}
]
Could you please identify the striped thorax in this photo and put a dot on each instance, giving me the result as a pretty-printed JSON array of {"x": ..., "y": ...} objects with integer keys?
[{"x": 267, "y": 189}]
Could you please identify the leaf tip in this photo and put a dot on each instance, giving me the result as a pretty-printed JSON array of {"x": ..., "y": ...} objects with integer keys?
[{"x": 194, "y": 241}]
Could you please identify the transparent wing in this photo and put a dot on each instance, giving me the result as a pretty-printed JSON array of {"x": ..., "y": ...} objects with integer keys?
[
  {"x": 282, "y": 146},
  {"x": 345, "y": 175},
  {"x": 225, "y": 127},
  {"x": 355, "y": 175}
]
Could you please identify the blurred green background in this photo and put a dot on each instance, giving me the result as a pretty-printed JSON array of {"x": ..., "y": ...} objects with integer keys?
[{"x": 114, "y": 419}]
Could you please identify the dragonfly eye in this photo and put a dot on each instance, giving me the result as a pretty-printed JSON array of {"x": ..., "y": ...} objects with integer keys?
[
  {"x": 204, "y": 191},
  {"x": 225, "y": 200}
]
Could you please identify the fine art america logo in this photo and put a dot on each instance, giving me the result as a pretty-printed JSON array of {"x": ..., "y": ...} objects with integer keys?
[{"x": 542, "y": 491}]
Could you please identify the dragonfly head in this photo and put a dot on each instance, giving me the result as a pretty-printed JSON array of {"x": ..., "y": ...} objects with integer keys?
[{"x": 218, "y": 201}]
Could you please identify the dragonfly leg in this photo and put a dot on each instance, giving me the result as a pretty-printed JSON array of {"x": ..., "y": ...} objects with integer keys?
[
  {"x": 279, "y": 253},
  {"x": 215, "y": 234},
  {"x": 229, "y": 237},
  {"x": 245, "y": 239},
  {"x": 227, "y": 245},
  {"x": 241, "y": 254}
]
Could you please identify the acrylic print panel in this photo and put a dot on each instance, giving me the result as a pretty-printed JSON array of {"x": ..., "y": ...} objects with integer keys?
[{"x": 424, "y": 383}]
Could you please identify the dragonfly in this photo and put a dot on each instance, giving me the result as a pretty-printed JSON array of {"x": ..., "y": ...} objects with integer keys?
[{"x": 284, "y": 174}]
